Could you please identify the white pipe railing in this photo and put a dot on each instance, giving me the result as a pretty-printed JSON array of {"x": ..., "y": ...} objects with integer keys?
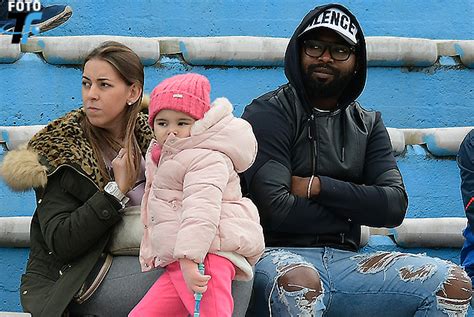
[
  {"x": 236, "y": 50},
  {"x": 12, "y": 137},
  {"x": 64, "y": 50},
  {"x": 463, "y": 49},
  {"x": 9, "y": 53},
  {"x": 396, "y": 51},
  {"x": 413, "y": 232},
  {"x": 439, "y": 141},
  {"x": 430, "y": 232},
  {"x": 15, "y": 232}
]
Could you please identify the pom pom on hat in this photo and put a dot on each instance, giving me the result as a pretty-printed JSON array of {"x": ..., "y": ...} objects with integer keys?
[{"x": 188, "y": 93}]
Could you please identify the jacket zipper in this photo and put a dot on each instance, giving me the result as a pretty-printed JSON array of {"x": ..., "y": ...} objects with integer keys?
[
  {"x": 312, "y": 136},
  {"x": 67, "y": 266}
]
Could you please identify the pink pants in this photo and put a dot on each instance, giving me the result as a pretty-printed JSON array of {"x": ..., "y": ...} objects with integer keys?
[{"x": 169, "y": 296}]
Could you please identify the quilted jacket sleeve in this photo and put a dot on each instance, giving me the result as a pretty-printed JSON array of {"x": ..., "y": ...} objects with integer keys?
[{"x": 73, "y": 214}]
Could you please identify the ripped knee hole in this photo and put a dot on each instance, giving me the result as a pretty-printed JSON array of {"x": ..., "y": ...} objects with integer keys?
[
  {"x": 297, "y": 278},
  {"x": 457, "y": 286}
]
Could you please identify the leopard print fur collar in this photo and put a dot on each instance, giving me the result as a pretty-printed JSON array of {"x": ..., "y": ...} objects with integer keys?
[{"x": 62, "y": 142}]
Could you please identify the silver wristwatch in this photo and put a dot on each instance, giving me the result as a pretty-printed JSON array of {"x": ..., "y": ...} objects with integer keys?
[{"x": 113, "y": 189}]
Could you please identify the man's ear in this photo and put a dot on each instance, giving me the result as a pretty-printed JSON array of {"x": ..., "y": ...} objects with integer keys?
[
  {"x": 356, "y": 68},
  {"x": 357, "y": 64}
]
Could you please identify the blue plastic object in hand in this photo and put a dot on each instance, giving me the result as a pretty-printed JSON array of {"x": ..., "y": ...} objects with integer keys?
[{"x": 198, "y": 296}]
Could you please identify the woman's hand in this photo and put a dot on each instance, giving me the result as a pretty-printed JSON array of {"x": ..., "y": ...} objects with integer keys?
[
  {"x": 119, "y": 165},
  {"x": 195, "y": 281}
]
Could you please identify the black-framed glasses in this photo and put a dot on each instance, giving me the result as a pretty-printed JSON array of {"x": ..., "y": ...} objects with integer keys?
[{"x": 338, "y": 52}]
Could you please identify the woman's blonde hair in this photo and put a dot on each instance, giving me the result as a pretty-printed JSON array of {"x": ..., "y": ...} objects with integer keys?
[{"x": 127, "y": 63}]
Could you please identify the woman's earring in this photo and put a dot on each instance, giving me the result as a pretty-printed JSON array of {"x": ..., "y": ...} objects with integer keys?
[{"x": 129, "y": 103}]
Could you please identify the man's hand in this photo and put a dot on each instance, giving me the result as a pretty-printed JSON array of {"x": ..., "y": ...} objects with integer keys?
[
  {"x": 299, "y": 186},
  {"x": 195, "y": 281}
]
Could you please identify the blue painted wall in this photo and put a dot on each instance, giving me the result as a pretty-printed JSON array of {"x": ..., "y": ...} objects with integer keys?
[
  {"x": 435, "y": 19},
  {"x": 34, "y": 92}
]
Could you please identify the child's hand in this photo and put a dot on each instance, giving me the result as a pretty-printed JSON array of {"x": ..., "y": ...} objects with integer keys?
[{"x": 195, "y": 281}]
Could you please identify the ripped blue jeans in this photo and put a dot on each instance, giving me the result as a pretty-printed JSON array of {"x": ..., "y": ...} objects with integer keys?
[{"x": 359, "y": 284}]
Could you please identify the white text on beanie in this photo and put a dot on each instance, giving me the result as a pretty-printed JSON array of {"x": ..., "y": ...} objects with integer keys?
[{"x": 336, "y": 20}]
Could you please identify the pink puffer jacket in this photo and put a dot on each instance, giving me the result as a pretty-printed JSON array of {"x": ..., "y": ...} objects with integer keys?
[{"x": 193, "y": 203}]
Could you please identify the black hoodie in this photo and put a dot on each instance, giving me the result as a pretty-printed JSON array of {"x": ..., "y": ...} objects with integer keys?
[
  {"x": 292, "y": 59},
  {"x": 348, "y": 149}
]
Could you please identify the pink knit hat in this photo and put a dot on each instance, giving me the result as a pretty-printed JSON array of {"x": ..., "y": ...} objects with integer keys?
[{"x": 188, "y": 93}]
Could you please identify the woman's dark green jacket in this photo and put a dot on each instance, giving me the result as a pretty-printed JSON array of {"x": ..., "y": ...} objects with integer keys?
[{"x": 71, "y": 225}]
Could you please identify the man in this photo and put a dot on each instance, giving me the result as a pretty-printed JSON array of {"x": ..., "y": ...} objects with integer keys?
[
  {"x": 324, "y": 168},
  {"x": 465, "y": 161}
]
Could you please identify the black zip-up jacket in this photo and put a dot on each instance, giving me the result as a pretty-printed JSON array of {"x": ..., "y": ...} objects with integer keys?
[{"x": 348, "y": 149}]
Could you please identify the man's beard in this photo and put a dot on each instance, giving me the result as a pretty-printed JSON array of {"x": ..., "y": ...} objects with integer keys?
[{"x": 319, "y": 88}]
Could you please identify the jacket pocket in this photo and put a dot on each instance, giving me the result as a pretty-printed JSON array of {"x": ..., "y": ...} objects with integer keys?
[{"x": 34, "y": 292}]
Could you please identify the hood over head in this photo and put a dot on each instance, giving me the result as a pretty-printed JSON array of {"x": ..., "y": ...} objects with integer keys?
[
  {"x": 220, "y": 131},
  {"x": 347, "y": 26}
]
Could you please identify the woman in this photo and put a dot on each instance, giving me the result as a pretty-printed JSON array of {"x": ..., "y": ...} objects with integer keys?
[
  {"x": 68, "y": 164},
  {"x": 85, "y": 167}
]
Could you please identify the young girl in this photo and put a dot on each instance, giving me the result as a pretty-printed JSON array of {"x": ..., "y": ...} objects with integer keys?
[{"x": 193, "y": 210}]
